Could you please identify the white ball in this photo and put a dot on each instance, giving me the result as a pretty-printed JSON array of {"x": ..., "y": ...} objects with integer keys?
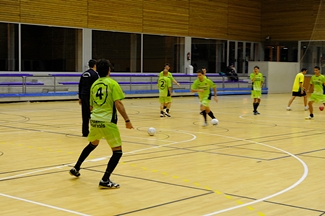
[
  {"x": 214, "y": 121},
  {"x": 151, "y": 131}
]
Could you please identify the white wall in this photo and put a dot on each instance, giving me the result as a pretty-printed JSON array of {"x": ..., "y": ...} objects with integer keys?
[{"x": 279, "y": 75}]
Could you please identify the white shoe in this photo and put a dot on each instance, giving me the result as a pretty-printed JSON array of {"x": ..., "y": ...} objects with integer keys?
[
  {"x": 205, "y": 124},
  {"x": 288, "y": 108},
  {"x": 306, "y": 108},
  {"x": 309, "y": 118}
]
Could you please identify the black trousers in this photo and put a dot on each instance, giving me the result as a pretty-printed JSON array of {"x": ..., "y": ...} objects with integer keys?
[{"x": 85, "y": 110}]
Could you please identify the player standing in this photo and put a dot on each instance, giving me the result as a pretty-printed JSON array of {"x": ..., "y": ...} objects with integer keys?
[
  {"x": 170, "y": 76},
  {"x": 165, "y": 93},
  {"x": 298, "y": 89},
  {"x": 318, "y": 81},
  {"x": 105, "y": 97},
  {"x": 257, "y": 83},
  {"x": 202, "y": 86}
]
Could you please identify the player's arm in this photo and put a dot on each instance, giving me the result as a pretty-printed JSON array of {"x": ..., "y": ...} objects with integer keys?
[
  {"x": 253, "y": 76},
  {"x": 194, "y": 89},
  {"x": 120, "y": 107},
  {"x": 310, "y": 86}
]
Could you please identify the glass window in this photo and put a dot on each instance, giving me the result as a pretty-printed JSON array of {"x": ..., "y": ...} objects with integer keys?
[
  {"x": 9, "y": 47},
  {"x": 209, "y": 53},
  {"x": 313, "y": 54},
  {"x": 48, "y": 48},
  {"x": 122, "y": 49},
  {"x": 158, "y": 50},
  {"x": 282, "y": 51}
]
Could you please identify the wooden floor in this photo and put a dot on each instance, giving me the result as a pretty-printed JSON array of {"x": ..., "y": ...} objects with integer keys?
[{"x": 272, "y": 164}]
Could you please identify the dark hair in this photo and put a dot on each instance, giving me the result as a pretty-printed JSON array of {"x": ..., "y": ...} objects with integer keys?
[
  {"x": 167, "y": 64},
  {"x": 200, "y": 71},
  {"x": 317, "y": 67},
  {"x": 257, "y": 67},
  {"x": 303, "y": 69},
  {"x": 103, "y": 66},
  {"x": 203, "y": 67},
  {"x": 92, "y": 63}
]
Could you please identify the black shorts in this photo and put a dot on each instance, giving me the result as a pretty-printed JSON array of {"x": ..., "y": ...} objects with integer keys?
[{"x": 298, "y": 93}]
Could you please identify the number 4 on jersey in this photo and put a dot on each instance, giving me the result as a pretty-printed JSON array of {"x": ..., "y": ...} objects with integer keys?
[{"x": 99, "y": 93}]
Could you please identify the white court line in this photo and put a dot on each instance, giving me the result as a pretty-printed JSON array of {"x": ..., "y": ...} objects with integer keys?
[
  {"x": 98, "y": 159},
  {"x": 42, "y": 204},
  {"x": 303, "y": 177}
]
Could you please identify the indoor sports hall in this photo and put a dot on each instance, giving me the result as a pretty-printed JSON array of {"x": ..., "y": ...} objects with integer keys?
[{"x": 269, "y": 164}]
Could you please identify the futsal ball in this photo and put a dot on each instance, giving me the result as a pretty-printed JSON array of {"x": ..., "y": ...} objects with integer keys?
[
  {"x": 151, "y": 131},
  {"x": 214, "y": 121},
  {"x": 321, "y": 108}
]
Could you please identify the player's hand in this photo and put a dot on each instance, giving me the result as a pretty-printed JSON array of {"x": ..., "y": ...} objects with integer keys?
[
  {"x": 79, "y": 101},
  {"x": 216, "y": 98},
  {"x": 178, "y": 84},
  {"x": 128, "y": 125}
]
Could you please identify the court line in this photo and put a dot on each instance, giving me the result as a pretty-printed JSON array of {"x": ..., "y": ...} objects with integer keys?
[
  {"x": 42, "y": 204},
  {"x": 272, "y": 195},
  {"x": 97, "y": 159}
]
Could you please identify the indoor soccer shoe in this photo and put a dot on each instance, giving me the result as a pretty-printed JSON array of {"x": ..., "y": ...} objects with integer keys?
[
  {"x": 74, "y": 172},
  {"x": 108, "y": 184},
  {"x": 309, "y": 118},
  {"x": 288, "y": 108},
  {"x": 167, "y": 114}
]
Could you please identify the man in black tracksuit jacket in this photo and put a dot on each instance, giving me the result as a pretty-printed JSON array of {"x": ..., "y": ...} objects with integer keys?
[{"x": 86, "y": 80}]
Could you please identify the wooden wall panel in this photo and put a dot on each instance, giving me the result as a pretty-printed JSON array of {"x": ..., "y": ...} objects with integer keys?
[
  {"x": 117, "y": 15},
  {"x": 288, "y": 20},
  {"x": 244, "y": 20},
  {"x": 55, "y": 12},
  {"x": 168, "y": 17},
  {"x": 208, "y": 19},
  {"x": 10, "y": 10},
  {"x": 318, "y": 32}
]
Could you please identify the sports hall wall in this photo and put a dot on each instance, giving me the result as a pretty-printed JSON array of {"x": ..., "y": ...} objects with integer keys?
[{"x": 236, "y": 20}]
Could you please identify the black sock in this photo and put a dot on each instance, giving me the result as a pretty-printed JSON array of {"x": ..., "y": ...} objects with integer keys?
[
  {"x": 204, "y": 115},
  {"x": 112, "y": 163},
  {"x": 211, "y": 115},
  {"x": 311, "y": 115},
  {"x": 84, "y": 154},
  {"x": 255, "y": 107},
  {"x": 161, "y": 112},
  {"x": 167, "y": 110},
  {"x": 165, "y": 107},
  {"x": 257, "y": 104}
]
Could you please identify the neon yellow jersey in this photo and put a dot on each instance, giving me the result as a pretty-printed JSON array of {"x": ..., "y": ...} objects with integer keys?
[
  {"x": 296, "y": 84},
  {"x": 103, "y": 93},
  {"x": 206, "y": 85},
  {"x": 164, "y": 83},
  {"x": 170, "y": 75},
  {"x": 256, "y": 85},
  {"x": 317, "y": 81}
]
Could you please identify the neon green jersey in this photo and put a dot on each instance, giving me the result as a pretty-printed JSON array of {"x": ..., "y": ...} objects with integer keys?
[
  {"x": 170, "y": 75},
  {"x": 300, "y": 77},
  {"x": 164, "y": 83},
  {"x": 317, "y": 81},
  {"x": 103, "y": 93},
  {"x": 257, "y": 84},
  {"x": 206, "y": 84}
]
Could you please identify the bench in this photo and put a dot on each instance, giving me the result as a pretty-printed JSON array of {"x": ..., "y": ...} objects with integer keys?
[{"x": 19, "y": 83}]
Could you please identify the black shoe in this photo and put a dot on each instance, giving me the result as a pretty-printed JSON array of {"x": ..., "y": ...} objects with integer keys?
[
  {"x": 108, "y": 184},
  {"x": 257, "y": 113},
  {"x": 167, "y": 114},
  {"x": 74, "y": 172}
]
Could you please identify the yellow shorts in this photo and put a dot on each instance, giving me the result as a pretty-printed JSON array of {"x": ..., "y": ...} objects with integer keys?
[
  {"x": 256, "y": 94},
  {"x": 164, "y": 100},
  {"x": 108, "y": 130}
]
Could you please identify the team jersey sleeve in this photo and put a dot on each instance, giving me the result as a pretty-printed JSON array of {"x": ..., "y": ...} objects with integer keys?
[
  {"x": 194, "y": 85},
  {"x": 117, "y": 92},
  {"x": 251, "y": 76},
  {"x": 211, "y": 83},
  {"x": 170, "y": 75}
]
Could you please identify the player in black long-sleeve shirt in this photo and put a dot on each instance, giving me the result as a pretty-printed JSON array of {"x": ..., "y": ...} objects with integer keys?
[{"x": 86, "y": 80}]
